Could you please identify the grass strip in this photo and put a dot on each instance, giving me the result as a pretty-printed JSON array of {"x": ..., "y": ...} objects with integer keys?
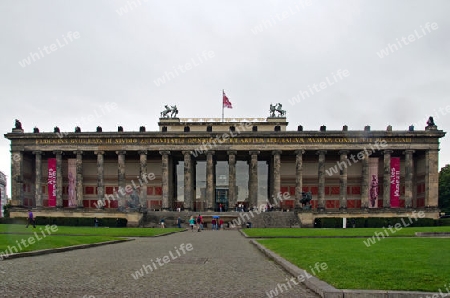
[
  {"x": 411, "y": 264},
  {"x": 24, "y": 243},
  {"x": 69, "y": 230},
  {"x": 360, "y": 232}
]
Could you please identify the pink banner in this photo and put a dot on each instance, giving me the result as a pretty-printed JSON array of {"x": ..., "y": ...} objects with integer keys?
[
  {"x": 373, "y": 186},
  {"x": 51, "y": 182},
  {"x": 395, "y": 182}
]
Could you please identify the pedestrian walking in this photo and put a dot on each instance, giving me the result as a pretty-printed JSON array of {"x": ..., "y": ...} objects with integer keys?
[
  {"x": 199, "y": 223},
  {"x": 192, "y": 223},
  {"x": 31, "y": 219}
]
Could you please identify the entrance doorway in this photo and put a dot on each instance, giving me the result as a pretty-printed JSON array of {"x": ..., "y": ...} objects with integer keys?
[{"x": 221, "y": 198}]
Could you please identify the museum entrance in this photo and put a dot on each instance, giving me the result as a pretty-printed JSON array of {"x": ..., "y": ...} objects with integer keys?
[{"x": 221, "y": 200}]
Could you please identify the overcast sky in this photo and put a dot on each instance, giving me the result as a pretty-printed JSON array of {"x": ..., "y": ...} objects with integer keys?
[{"x": 110, "y": 63}]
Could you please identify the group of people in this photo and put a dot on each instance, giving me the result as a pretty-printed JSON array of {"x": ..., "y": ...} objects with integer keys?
[{"x": 197, "y": 223}]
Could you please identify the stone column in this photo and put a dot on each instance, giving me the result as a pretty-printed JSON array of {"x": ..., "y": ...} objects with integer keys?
[
  {"x": 365, "y": 183},
  {"x": 321, "y": 174},
  {"x": 100, "y": 177},
  {"x": 210, "y": 180},
  {"x": 232, "y": 180},
  {"x": 79, "y": 186},
  {"x": 276, "y": 175},
  {"x": 143, "y": 179},
  {"x": 59, "y": 179},
  {"x": 343, "y": 179},
  {"x": 121, "y": 177},
  {"x": 298, "y": 176},
  {"x": 16, "y": 178},
  {"x": 188, "y": 204},
  {"x": 165, "y": 179},
  {"x": 387, "y": 178},
  {"x": 431, "y": 178},
  {"x": 38, "y": 178},
  {"x": 409, "y": 168},
  {"x": 253, "y": 179}
]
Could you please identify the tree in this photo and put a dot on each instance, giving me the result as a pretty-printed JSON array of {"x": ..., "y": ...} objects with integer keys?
[{"x": 444, "y": 188}]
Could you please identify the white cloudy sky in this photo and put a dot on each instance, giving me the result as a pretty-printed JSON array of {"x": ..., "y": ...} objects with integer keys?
[{"x": 119, "y": 55}]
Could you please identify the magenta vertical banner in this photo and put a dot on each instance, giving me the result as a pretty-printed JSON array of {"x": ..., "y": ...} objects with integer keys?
[
  {"x": 51, "y": 182},
  {"x": 395, "y": 182}
]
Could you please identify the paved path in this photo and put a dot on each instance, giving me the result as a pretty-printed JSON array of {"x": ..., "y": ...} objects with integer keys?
[{"x": 219, "y": 264}]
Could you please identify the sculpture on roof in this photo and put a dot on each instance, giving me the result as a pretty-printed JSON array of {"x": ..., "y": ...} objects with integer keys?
[
  {"x": 430, "y": 121},
  {"x": 169, "y": 112},
  {"x": 18, "y": 125},
  {"x": 277, "y": 108}
]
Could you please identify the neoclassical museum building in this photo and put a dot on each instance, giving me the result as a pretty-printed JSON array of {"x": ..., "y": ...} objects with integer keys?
[{"x": 206, "y": 164}]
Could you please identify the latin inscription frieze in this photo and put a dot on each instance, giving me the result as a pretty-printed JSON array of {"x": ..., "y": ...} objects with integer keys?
[{"x": 217, "y": 140}]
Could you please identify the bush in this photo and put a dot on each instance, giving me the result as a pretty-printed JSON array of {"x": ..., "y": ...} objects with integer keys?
[
  {"x": 378, "y": 222},
  {"x": 81, "y": 222}
]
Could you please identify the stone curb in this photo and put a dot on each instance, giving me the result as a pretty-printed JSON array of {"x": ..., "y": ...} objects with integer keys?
[
  {"x": 61, "y": 249},
  {"x": 325, "y": 290}
]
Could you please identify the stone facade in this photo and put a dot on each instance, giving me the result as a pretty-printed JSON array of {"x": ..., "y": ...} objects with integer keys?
[{"x": 199, "y": 166}]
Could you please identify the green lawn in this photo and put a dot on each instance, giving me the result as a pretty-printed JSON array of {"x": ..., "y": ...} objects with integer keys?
[
  {"x": 367, "y": 232},
  {"x": 68, "y": 230},
  {"x": 47, "y": 242},
  {"x": 415, "y": 264},
  {"x": 61, "y": 236}
]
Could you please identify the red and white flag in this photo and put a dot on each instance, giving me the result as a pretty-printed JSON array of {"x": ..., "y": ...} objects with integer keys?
[{"x": 226, "y": 102}]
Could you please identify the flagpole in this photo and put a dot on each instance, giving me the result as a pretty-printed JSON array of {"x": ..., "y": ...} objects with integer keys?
[{"x": 223, "y": 91}]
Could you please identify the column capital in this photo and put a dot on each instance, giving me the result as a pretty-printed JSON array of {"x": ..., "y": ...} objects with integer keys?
[
  {"x": 37, "y": 152},
  {"x": 232, "y": 152},
  {"x": 121, "y": 152},
  {"x": 318, "y": 152},
  {"x": 185, "y": 152},
  {"x": 388, "y": 151},
  {"x": 78, "y": 152},
  {"x": 276, "y": 152},
  {"x": 99, "y": 152},
  {"x": 408, "y": 151},
  {"x": 57, "y": 152},
  {"x": 166, "y": 152},
  {"x": 344, "y": 152},
  {"x": 254, "y": 152},
  {"x": 299, "y": 152},
  {"x": 209, "y": 152},
  {"x": 140, "y": 152}
]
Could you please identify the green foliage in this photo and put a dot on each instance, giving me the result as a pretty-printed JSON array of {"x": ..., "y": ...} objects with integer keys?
[
  {"x": 81, "y": 222},
  {"x": 6, "y": 210},
  {"x": 444, "y": 189}
]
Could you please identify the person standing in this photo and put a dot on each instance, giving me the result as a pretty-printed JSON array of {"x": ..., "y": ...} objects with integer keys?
[
  {"x": 220, "y": 224},
  {"x": 213, "y": 223},
  {"x": 31, "y": 219},
  {"x": 162, "y": 223},
  {"x": 179, "y": 222},
  {"x": 95, "y": 222},
  {"x": 199, "y": 223},
  {"x": 192, "y": 223}
]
